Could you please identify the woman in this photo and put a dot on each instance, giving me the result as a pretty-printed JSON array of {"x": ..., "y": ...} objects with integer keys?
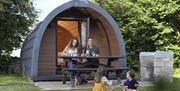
[
  {"x": 72, "y": 50},
  {"x": 92, "y": 49}
]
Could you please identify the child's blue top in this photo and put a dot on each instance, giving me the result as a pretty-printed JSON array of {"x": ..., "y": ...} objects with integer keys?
[{"x": 131, "y": 84}]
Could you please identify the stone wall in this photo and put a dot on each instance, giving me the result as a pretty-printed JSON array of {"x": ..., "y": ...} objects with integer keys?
[
  {"x": 10, "y": 65},
  {"x": 163, "y": 65},
  {"x": 146, "y": 69},
  {"x": 156, "y": 64}
]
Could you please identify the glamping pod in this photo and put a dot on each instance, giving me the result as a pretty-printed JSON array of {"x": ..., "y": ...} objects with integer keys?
[{"x": 77, "y": 18}]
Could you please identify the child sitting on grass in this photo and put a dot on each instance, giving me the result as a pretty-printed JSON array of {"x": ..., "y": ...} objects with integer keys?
[
  {"x": 104, "y": 83},
  {"x": 130, "y": 84},
  {"x": 98, "y": 85}
]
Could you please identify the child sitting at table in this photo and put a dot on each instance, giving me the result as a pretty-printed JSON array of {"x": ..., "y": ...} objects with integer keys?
[{"x": 130, "y": 84}]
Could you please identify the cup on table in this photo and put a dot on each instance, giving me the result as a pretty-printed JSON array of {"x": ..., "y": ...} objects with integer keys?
[{"x": 94, "y": 54}]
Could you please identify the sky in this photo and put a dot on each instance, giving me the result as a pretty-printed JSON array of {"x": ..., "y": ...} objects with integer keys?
[{"x": 45, "y": 7}]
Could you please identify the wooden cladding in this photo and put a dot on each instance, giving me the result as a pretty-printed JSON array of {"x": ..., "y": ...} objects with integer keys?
[{"x": 47, "y": 57}]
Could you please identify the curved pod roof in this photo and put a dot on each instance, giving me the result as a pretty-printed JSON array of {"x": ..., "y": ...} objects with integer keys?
[{"x": 58, "y": 10}]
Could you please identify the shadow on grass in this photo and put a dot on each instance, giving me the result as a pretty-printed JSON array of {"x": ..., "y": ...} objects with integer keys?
[{"x": 163, "y": 85}]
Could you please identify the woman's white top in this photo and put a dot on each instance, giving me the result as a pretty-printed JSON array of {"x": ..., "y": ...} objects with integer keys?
[{"x": 73, "y": 51}]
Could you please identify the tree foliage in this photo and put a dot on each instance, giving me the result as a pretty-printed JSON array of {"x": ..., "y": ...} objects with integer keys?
[
  {"x": 16, "y": 18},
  {"x": 147, "y": 25}
]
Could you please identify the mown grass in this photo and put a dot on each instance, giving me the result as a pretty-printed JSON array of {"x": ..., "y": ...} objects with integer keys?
[
  {"x": 174, "y": 86},
  {"x": 6, "y": 80},
  {"x": 176, "y": 73},
  {"x": 21, "y": 89},
  {"x": 13, "y": 80}
]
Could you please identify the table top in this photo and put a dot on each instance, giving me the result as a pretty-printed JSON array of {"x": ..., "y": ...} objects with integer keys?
[
  {"x": 84, "y": 57},
  {"x": 90, "y": 69}
]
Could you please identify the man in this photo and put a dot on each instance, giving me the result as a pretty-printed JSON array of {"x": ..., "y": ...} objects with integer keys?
[{"x": 91, "y": 50}]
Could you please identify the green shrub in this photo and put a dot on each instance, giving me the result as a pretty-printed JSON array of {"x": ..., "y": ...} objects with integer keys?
[{"x": 9, "y": 65}]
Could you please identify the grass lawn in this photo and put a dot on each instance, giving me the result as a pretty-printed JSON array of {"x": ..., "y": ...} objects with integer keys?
[
  {"x": 176, "y": 73},
  {"x": 21, "y": 89},
  {"x": 175, "y": 86},
  {"x": 6, "y": 80},
  {"x": 13, "y": 80}
]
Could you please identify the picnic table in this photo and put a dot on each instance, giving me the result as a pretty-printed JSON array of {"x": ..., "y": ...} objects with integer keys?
[
  {"x": 110, "y": 58},
  {"x": 108, "y": 67}
]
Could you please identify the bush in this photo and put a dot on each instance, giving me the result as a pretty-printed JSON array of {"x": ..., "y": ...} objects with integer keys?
[{"x": 9, "y": 65}]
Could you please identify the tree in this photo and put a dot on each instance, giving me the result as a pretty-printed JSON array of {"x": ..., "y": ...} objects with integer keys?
[
  {"x": 16, "y": 18},
  {"x": 147, "y": 25}
]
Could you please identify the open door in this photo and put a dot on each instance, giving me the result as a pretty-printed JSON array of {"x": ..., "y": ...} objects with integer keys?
[{"x": 68, "y": 28}]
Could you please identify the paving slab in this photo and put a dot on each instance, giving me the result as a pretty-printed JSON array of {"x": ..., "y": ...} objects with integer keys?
[
  {"x": 18, "y": 86},
  {"x": 57, "y": 85}
]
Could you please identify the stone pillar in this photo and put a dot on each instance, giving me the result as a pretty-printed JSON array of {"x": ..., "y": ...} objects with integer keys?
[
  {"x": 163, "y": 65},
  {"x": 146, "y": 66}
]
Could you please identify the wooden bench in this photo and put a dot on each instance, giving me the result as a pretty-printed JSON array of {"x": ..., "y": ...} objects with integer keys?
[{"x": 119, "y": 71}]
